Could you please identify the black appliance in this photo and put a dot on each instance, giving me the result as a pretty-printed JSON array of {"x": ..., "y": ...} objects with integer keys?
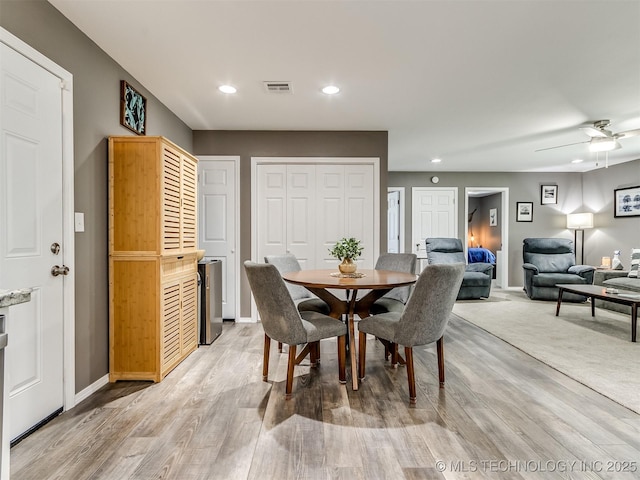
[{"x": 210, "y": 300}]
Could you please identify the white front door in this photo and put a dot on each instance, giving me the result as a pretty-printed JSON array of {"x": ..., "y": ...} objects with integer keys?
[
  {"x": 217, "y": 204},
  {"x": 434, "y": 214},
  {"x": 31, "y": 214}
]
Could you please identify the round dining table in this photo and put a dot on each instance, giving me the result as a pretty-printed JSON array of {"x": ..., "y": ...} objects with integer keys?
[{"x": 321, "y": 282}]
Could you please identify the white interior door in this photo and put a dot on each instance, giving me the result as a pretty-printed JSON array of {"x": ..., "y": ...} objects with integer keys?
[
  {"x": 31, "y": 213},
  {"x": 434, "y": 214},
  {"x": 217, "y": 190},
  {"x": 393, "y": 221}
]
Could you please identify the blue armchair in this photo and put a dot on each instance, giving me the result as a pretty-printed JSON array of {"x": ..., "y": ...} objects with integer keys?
[
  {"x": 548, "y": 262},
  {"x": 476, "y": 282}
]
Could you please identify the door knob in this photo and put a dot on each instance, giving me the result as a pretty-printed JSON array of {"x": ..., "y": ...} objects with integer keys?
[
  {"x": 57, "y": 270},
  {"x": 55, "y": 248}
]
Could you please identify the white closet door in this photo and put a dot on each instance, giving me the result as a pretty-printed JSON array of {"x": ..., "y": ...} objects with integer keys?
[
  {"x": 358, "y": 203},
  {"x": 330, "y": 218},
  {"x": 434, "y": 214},
  {"x": 271, "y": 210},
  {"x": 301, "y": 213}
]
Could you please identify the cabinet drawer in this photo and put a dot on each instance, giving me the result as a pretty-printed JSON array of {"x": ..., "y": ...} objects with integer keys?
[{"x": 179, "y": 265}]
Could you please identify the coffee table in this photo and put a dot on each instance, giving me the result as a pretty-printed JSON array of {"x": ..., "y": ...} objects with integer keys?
[{"x": 623, "y": 297}]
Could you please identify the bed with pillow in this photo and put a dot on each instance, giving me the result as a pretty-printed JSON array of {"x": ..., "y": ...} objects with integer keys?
[{"x": 481, "y": 255}]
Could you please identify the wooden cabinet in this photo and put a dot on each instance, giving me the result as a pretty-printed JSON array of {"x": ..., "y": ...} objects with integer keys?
[{"x": 152, "y": 257}]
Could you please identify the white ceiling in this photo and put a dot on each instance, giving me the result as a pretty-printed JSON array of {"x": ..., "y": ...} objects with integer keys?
[{"x": 480, "y": 84}]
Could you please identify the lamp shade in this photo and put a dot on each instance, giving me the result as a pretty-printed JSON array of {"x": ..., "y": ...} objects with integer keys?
[{"x": 580, "y": 221}]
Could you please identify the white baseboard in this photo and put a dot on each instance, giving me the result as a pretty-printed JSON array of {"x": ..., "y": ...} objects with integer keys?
[{"x": 91, "y": 389}]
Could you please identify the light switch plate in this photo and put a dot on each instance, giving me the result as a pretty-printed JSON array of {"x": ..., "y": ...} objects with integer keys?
[{"x": 79, "y": 221}]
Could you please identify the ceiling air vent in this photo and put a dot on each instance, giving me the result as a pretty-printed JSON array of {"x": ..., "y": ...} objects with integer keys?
[{"x": 278, "y": 87}]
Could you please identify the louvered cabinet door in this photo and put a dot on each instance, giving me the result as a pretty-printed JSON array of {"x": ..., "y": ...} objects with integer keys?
[
  {"x": 189, "y": 319},
  {"x": 171, "y": 199},
  {"x": 170, "y": 341},
  {"x": 189, "y": 198}
]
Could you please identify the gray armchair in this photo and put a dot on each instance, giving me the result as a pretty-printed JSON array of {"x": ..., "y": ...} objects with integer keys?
[
  {"x": 477, "y": 276},
  {"x": 394, "y": 300},
  {"x": 548, "y": 262},
  {"x": 305, "y": 301},
  {"x": 283, "y": 322},
  {"x": 422, "y": 322}
]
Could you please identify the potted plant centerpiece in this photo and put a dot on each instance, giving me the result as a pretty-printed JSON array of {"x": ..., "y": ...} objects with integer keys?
[{"x": 347, "y": 250}]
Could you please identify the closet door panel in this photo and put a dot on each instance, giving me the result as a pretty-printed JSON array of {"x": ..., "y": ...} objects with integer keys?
[
  {"x": 359, "y": 209},
  {"x": 301, "y": 212},
  {"x": 272, "y": 207},
  {"x": 330, "y": 185}
]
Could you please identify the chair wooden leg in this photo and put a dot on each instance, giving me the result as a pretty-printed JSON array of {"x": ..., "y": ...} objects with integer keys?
[
  {"x": 411, "y": 377},
  {"x": 265, "y": 361},
  {"x": 342, "y": 359},
  {"x": 362, "y": 352},
  {"x": 440, "y": 348},
  {"x": 313, "y": 354},
  {"x": 394, "y": 355},
  {"x": 290, "y": 366}
]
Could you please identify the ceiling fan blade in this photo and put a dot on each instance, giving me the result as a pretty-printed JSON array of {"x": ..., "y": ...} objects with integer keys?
[
  {"x": 559, "y": 146},
  {"x": 595, "y": 132},
  {"x": 628, "y": 133}
]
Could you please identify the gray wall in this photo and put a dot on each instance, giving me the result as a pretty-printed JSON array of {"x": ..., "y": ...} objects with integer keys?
[
  {"x": 610, "y": 233},
  {"x": 249, "y": 144},
  {"x": 577, "y": 192},
  {"x": 96, "y": 96}
]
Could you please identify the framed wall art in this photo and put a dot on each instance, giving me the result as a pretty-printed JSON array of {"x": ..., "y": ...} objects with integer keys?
[
  {"x": 524, "y": 211},
  {"x": 493, "y": 217},
  {"x": 548, "y": 194},
  {"x": 133, "y": 109},
  {"x": 627, "y": 202}
]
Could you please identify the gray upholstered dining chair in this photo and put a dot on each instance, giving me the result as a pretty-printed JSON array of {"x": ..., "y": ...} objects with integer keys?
[
  {"x": 394, "y": 300},
  {"x": 283, "y": 322},
  {"x": 423, "y": 320},
  {"x": 303, "y": 298}
]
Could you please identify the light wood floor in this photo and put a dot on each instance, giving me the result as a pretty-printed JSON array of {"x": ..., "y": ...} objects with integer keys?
[{"x": 502, "y": 415}]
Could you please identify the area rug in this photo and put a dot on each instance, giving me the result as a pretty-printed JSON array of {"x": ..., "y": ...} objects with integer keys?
[{"x": 595, "y": 351}]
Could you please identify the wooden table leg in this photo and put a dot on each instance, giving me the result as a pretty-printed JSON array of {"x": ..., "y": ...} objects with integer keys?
[
  {"x": 559, "y": 301},
  {"x": 352, "y": 340}
]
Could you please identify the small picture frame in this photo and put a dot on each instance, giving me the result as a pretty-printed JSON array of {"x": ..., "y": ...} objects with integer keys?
[
  {"x": 493, "y": 217},
  {"x": 524, "y": 211},
  {"x": 627, "y": 202},
  {"x": 133, "y": 109},
  {"x": 548, "y": 194}
]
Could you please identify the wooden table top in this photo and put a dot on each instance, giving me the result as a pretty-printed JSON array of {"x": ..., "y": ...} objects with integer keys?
[{"x": 373, "y": 279}]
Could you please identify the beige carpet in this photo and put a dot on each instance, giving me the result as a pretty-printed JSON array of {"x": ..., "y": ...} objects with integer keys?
[{"x": 596, "y": 351}]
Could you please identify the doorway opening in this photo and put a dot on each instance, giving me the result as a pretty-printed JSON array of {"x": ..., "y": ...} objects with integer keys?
[{"x": 487, "y": 226}]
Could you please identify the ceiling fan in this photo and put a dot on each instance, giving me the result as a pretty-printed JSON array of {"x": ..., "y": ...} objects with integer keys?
[{"x": 602, "y": 140}]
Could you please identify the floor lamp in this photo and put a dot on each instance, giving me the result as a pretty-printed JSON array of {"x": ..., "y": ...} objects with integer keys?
[{"x": 578, "y": 222}]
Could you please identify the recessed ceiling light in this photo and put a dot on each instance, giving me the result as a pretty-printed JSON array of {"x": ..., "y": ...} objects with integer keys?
[
  {"x": 436, "y": 160},
  {"x": 227, "y": 89},
  {"x": 577, "y": 160},
  {"x": 330, "y": 90}
]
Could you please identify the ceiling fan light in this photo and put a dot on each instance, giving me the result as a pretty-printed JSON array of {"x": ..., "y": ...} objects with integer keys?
[{"x": 603, "y": 144}]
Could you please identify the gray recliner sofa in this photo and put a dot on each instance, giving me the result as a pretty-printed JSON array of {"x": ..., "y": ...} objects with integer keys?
[
  {"x": 476, "y": 282},
  {"x": 548, "y": 262}
]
